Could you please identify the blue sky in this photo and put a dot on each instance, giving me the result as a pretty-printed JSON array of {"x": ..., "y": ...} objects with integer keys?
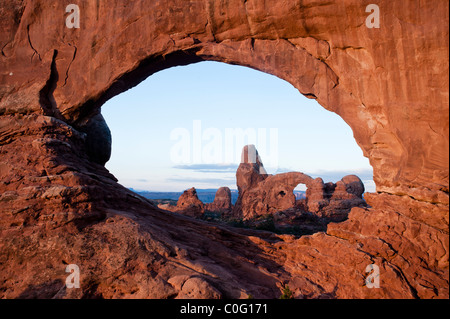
[{"x": 178, "y": 129}]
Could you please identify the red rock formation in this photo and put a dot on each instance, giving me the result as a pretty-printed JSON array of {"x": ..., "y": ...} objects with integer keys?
[
  {"x": 334, "y": 201},
  {"x": 59, "y": 205},
  {"x": 262, "y": 194},
  {"x": 251, "y": 171},
  {"x": 222, "y": 202},
  {"x": 188, "y": 204}
]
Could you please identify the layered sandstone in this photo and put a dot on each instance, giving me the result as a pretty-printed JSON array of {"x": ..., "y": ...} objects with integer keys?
[
  {"x": 59, "y": 205},
  {"x": 262, "y": 194},
  {"x": 222, "y": 202},
  {"x": 188, "y": 204}
]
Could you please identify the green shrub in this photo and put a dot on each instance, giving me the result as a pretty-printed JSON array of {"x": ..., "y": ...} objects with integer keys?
[
  {"x": 239, "y": 223},
  {"x": 266, "y": 223},
  {"x": 287, "y": 293}
]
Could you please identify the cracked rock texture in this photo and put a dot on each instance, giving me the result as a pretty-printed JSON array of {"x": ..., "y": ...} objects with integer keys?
[{"x": 59, "y": 205}]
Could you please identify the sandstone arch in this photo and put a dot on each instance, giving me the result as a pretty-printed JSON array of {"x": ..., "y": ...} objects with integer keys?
[
  {"x": 380, "y": 81},
  {"x": 326, "y": 65}
]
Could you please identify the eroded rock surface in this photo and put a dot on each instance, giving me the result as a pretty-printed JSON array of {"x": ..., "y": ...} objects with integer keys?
[
  {"x": 188, "y": 204},
  {"x": 262, "y": 194},
  {"x": 222, "y": 202},
  {"x": 60, "y": 206}
]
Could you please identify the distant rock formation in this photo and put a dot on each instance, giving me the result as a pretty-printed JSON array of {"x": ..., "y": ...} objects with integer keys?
[
  {"x": 251, "y": 171},
  {"x": 261, "y": 194},
  {"x": 334, "y": 201},
  {"x": 222, "y": 202},
  {"x": 188, "y": 204}
]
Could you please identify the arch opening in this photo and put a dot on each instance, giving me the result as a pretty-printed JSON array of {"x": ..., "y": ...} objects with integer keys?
[{"x": 191, "y": 148}]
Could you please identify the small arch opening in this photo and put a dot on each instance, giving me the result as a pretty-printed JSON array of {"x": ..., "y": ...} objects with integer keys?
[{"x": 300, "y": 197}]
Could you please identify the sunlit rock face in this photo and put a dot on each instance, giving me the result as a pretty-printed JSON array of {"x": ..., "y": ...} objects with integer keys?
[
  {"x": 261, "y": 194},
  {"x": 222, "y": 202},
  {"x": 60, "y": 206},
  {"x": 188, "y": 204}
]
